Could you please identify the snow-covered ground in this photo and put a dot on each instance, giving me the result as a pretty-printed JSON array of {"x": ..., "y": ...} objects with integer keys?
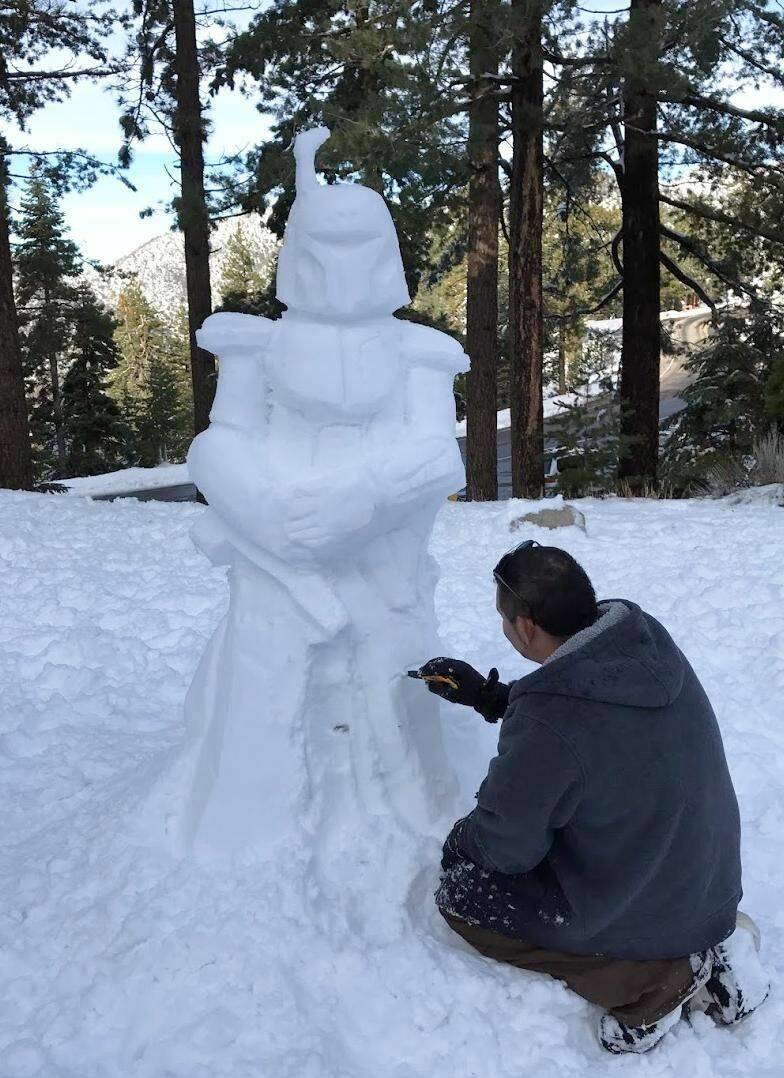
[{"x": 118, "y": 959}]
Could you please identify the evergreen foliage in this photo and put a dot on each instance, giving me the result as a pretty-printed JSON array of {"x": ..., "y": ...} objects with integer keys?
[
  {"x": 150, "y": 381},
  {"x": 735, "y": 395},
  {"x": 47, "y": 265},
  {"x": 368, "y": 71},
  {"x": 586, "y": 431},
  {"x": 244, "y": 286},
  {"x": 96, "y": 437}
]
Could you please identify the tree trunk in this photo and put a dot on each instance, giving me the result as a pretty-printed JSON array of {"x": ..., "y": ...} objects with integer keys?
[
  {"x": 57, "y": 397},
  {"x": 641, "y": 339},
  {"x": 192, "y": 209},
  {"x": 525, "y": 251},
  {"x": 561, "y": 358},
  {"x": 57, "y": 408},
  {"x": 16, "y": 464},
  {"x": 484, "y": 209}
]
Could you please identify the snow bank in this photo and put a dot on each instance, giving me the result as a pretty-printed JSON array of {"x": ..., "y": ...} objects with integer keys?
[
  {"x": 121, "y": 961},
  {"x": 769, "y": 494},
  {"x": 128, "y": 480}
]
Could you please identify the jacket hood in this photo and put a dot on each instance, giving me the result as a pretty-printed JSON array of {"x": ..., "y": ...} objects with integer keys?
[{"x": 626, "y": 657}]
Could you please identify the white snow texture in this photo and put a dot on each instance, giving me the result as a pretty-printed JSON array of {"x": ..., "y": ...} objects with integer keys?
[
  {"x": 301, "y": 714},
  {"x": 120, "y": 960}
]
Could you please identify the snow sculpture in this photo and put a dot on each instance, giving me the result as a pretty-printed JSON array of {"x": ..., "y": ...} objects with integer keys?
[{"x": 331, "y": 448}]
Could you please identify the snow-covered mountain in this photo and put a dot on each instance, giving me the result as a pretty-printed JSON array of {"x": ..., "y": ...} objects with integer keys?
[{"x": 159, "y": 264}]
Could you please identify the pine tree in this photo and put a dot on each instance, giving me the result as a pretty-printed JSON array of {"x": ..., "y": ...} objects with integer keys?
[
  {"x": 150, "y": 382},
  {"x": 484, "y": 213},
  {"x": 368, "y": 71},
  {"x": 242, "y": 282},
  {"x": 48, "y": 263},
  {"x": 161, "y": 437},
  {"x": 734, "y": 398},
  {"x": 16, "y": 461},
  {"x": 46, "y": 46},
  {"x": 96, "y": 438},
  {"x": 661, "y": 85},
  {"x": 526, "y": 218}
]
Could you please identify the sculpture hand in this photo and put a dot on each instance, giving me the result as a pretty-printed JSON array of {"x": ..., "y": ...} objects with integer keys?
[{"x": 321, "y": 512}]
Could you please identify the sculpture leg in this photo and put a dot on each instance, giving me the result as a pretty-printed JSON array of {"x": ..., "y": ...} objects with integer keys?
[
  {"x": 247, "y": 711},
  {"x": 399, "y": 745}
]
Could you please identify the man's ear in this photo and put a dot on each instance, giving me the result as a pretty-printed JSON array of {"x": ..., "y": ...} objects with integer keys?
[{"x": 524, "y": 628}]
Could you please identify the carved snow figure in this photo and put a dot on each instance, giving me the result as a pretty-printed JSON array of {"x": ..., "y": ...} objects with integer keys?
[{"x": 331, "y": 448}]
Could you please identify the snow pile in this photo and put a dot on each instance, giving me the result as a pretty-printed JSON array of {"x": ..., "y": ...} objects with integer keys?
[
  {"x": 128, "y": 480},
  {"x": 768, "y": 494},
  {"x": 120, "y": 959}
]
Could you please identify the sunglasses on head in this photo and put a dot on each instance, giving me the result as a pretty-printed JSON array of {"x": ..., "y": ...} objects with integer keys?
[{"x": 498, "y": 572}]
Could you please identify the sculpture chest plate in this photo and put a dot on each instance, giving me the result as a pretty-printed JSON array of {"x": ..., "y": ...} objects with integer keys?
[{"x": 348, "y": 371}]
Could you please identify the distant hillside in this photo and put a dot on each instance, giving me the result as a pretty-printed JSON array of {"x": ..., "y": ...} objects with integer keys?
[{"x": 159, "y": 264}]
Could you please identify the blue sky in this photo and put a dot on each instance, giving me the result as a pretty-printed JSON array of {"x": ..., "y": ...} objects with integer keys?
[{"x": 105, "y": 220}]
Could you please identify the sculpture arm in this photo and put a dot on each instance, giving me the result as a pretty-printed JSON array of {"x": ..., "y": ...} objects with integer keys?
[
  {"x": 239, "y": 341},
  {"x": 428, "y": 461},
  {"x": 226, "y": 461}
]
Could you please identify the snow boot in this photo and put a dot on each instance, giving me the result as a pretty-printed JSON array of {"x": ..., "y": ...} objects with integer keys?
[
  {"x": 619, "y": 1038},
  {"x": 738, "y": 983}
]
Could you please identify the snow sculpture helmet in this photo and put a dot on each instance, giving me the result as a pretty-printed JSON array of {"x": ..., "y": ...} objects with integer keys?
[{"x": 340, "y": 256}]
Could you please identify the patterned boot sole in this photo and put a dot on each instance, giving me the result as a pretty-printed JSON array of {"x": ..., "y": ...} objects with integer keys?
[{"x": 620, "y": 1039}]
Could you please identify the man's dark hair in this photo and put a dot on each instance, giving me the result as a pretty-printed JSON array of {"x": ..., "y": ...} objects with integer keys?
[{"x": 547, "y": 585}]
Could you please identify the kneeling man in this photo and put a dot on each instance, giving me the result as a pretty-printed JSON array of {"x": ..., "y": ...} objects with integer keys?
[{"x": 604, "y": 847}]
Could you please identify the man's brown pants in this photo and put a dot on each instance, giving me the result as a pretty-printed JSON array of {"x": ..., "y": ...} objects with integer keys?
[{"x": 636, "y": 993}]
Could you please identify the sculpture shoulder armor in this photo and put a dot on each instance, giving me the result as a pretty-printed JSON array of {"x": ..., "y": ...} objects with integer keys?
[
  {"x": 229, "y": 330},
  {"x": 424, "y": 346}
]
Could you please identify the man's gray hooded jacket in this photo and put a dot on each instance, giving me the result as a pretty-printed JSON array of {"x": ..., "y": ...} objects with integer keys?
[{"x": 607, "y": 823}]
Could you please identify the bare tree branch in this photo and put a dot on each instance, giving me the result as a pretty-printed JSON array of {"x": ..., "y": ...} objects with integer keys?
[
  {"x": 723, "y": 107},
  {"x": 32, "y": 76},
  {"x": 691, "y": 246},
  {"x": 684, "y": 278},
  {"x": 606, "y": 298},
  {"x": 615, "y": 251},
  {"x": 723, "y": 219},
  {"x": 752, "y": 168}
]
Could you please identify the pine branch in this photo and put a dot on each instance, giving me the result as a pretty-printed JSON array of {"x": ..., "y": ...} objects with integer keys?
[
  {"x": 753, "y": 169},
  {"x": 574, "y": 200},
  {"x": 602, "y": 155},
  {"x": 693, "y": 248},
  {"x": 582, "y": 312},
  {"x": 723, "y": 219},
  {"x": 684, "y": 278},
  {"x": 765, "y": 15},
  {"x": 615, "y": 251},
  {"x": 698, "y": 101},
  {"x": 32, "y": 76},
  {"x": 772, "y": 72}
]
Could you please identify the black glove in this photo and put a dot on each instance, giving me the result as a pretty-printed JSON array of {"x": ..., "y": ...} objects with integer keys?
[{"x": 459, "y": 683}]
